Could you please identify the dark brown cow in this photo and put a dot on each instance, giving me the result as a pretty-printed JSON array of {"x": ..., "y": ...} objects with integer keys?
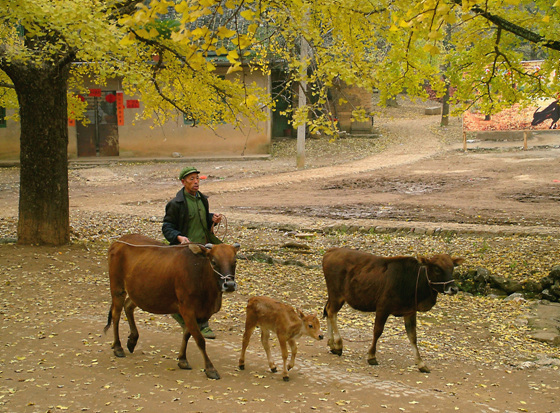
[
  {"x": 552, "y": 111},
  {"x": 162, "y": 279},
  {"x": 398, "y": 286}
]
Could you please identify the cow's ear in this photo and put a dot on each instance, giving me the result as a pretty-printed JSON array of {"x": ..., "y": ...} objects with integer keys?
[
  {"x": 300, "y": 313},
  {"x": 196, "y": 249},
  {"x": 458, "y": 261}
]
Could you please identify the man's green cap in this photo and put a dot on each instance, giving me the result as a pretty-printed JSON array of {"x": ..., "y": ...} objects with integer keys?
[{"x": 187, "y": 171}]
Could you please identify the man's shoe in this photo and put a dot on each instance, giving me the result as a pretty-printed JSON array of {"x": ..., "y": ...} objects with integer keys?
[{"x": 208, "y": 333}]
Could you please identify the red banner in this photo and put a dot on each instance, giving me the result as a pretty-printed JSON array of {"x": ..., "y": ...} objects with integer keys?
[
  {"x": 132, "y": 104},
  {"x": 120, "y": 109}
]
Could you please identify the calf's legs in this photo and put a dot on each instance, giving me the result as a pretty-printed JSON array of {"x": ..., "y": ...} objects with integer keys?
[
  {"x": 265, "y": 340},
  {"x": 333, "y": 335},
  {"x": 379, "y": 325},
  {"x": 410, "y": 325},
  {"x": 250, "y": 325},
  {"x": 293, "y": 347}
]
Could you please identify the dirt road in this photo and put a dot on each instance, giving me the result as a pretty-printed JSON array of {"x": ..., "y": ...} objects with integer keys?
[{"x": 54, "y": 301}]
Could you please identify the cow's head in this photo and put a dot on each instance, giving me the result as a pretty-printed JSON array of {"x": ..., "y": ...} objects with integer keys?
[
  {"x": 223, "y": 260},
  {"x": 550, "y": 112},
  {"x": 439, "y": 270},
  {"x": 310, "y": 325}
]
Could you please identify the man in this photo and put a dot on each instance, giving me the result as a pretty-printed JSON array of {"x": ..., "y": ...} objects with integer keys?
[{"x": 188, "y": 219}]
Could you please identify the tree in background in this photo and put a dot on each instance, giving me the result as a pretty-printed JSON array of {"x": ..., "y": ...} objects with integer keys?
[
  {"x": 486, "y": 46},
  {"x": 49, "y": 47}
]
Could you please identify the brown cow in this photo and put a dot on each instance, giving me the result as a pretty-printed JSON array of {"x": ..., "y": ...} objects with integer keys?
[
  {"x": 162, "y": 279},
  {"x": 289, "y": 324},
  {"x": 398, "y": 286}
]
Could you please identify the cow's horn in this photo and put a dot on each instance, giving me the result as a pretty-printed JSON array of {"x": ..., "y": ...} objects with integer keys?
[{"x": 209, "y": 246}]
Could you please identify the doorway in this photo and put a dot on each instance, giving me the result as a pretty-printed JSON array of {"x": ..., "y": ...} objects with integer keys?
[{"x": 100, "y": 137}]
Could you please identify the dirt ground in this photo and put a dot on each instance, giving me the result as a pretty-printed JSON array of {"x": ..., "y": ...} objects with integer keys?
[{"x": 410, "y": 176}]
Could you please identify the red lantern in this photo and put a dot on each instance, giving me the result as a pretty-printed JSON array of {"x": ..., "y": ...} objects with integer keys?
[{"x": 110, "y": 98}]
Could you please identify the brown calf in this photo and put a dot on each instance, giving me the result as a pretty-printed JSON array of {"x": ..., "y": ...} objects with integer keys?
[{"x": 289, "y": 324}]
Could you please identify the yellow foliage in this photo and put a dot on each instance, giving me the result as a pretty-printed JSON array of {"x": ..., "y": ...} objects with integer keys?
[
  {"x": 236, "y": 67},
  {"x": 248, "y": 15},
  {"x": 232, "y": 56},
  {"x": 225, "y": 32}
]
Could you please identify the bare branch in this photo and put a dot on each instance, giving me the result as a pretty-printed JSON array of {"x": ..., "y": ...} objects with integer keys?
[
  {"x": 7, "y": 85},
  {"x": 513, "y": 28},
  {"x": 124, "y": 7}
]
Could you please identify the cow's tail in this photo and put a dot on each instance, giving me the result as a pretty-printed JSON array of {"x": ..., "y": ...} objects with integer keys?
[{"x": 109, "y": 319}]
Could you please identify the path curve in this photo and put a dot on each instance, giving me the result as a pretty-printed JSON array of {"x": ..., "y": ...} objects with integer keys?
[{"x": 421, "y": 143}]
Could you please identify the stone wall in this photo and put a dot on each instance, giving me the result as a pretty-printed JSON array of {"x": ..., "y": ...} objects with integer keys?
[{"x": 480, "y": 281}]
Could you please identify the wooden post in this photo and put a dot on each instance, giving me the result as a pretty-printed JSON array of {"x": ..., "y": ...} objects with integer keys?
[
  {"x": 464, "y": 133},
  {"x": 302, "y": 102},
  {"x": 524, "y": 140}
]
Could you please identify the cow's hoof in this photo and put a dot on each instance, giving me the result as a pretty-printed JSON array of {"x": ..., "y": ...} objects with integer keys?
[
  {"x": 373, "y": 362},
  {"x": 337, "y": 351},
  {"x": 424, "y": 369},
  {"x": 273, "y": 369},
  {"x": 212, "y": 374},
  {"x": 242, "y": 367},
  {"x": 119, "y": 352},
  {"x": 131, "y": 344},
  {"x": 286, "y": 378},
  {"x": 184, "y": 364}
]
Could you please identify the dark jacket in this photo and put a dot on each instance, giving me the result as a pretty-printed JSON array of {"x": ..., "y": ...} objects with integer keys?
[{"x": 176, "y": 213}]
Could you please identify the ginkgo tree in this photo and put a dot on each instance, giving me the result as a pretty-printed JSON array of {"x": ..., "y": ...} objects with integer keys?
[{"x": 49, "y": 47}]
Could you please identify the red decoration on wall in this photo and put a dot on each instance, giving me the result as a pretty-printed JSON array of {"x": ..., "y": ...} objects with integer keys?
[
  {"x": 110, "y": 98},
  {"x": 83, "y": 99},
  {"x": 71, "y": 122},
  {"x": 120, "y": 109},
  {"x": 96, "y": 93},
  {"x": 132, "y": 103}
]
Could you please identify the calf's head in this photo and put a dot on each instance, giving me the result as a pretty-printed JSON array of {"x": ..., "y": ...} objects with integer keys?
[
  {"x": 311, "y": 325},
  {"x": 439, "y": 271},
  {"x": 223, "y": 260}
]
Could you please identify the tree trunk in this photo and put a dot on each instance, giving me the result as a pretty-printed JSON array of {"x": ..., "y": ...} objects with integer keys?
[
  {"x": 445, "y": 106},
  {"x": 43, "y": 196}
]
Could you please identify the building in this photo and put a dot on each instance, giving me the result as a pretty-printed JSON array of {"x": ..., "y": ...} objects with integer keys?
[{"x": 114, "y": 130}]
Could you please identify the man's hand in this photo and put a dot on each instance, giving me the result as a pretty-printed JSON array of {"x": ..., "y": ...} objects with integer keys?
[
  {"x": 217, "y": 218},
  {"x": 182, "y": 240}
]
